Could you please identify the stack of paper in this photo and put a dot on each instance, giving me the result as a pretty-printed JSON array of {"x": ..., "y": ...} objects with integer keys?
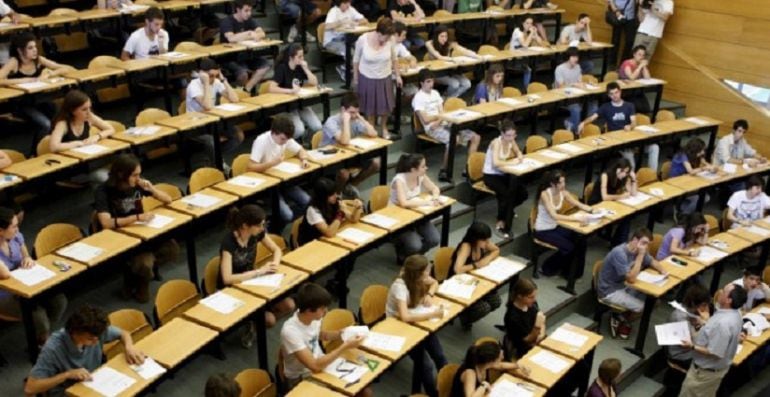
[
  {"x": 353, "y": 331},
  {"x": 345, "y": 370},
  {"x": 647, "y": 128},
  {"x": 80, "y": 252},
  {"x": 760, "y": 231},
  {"x": 201, "y": 200},
  {"x": 362, "y": 143},
  {"x": 355, "y": 235},
  {"x": 109, "y": 382},
  {"x": 319, "y": 155},
  {"x": 564, "y": 335},
  {"x": 230, "y": 107},
  {"x": 287, "y": 168},
  {"x": 422, "y": 309},
  {"x": 379, "y": 341},
  {"x": 672, "y": 334},
  {"x": 272, "y": 280},
  {"x": 33, "y": 275},
  {"x": 222, "y": 302},
  {"x": 380, "y": 220},
  {"x": 636, "y": 199},
  {"x": 91, "y": 149},
  {"x": 129, "y": 8},
  {"x": 457, "y": 288},
  {"x": 550, "y": 361},
  {"x": 755, "y": 324},
  {"x": 656, "y": 191},
  {"x": 708, "y": 175},
  {"x": 649, "y": 81},
  {"x": 652, "y": 278},
  {"x": 245, "y": 181},
  {"x": 158, "y": 221},
  {"x": 500, "y": 269},
  {"x": 552, "y": 154},
  {"x": 249, "y": 43},
  {"x": 506, "y": 388},
  {"x": 149, "y": 369}
]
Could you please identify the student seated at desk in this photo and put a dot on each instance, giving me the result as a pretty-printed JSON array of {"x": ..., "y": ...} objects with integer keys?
[
  {"x": 151, "y": 39},
  {"x": 237, "y": 257},
  {"x": 14, "y": 255},
  {"x": 551, "y": 197},
  {"x": 241, "y": 26},
  {"x": 301, "y": 334},
  {"x": 472, "y": 378},
  {"x": 679, "y": 240},
  {"x": 410, "y": 182},
  {"x": 577, "y": 32},
  {"x": 118, "y": 203},
  {"x": 222, "y": 385},
  {"x": 691, "y": 160},
  {"x": 340, "y": 16},
  {"x": 491, "y": 89},
  {"x": 27, "y": 66},
  {"x": 444, "y": 50},
  {"x": 749, "y": 205},
  {"x": 622, "y": 265},
  {"x": 326, "y": 212},
  {"x": 413, "y": 288},
  {"x": 72, "y": 129},
  {"x": 8, "y": 15},
  {"x": 524, "y": 321},
  {"x": 204, "y": 93},
  {"x": 72, "y": 353},
  {"x": 267, "y": 151},
  {"x": 604, "y": 384},
  {"x": 756, "y": 290},
  {"x": 522, "y": 38},
  {"x": 633, "y": 69},
  {"x": 538, "y": 4},
  {"x": 475, "y": 251},
  {"x": 428, "y": 106},
  {"x": 734, "y": 148},
  {"x": 616, "y": 182},
  {"x": 296, "y": 8},
  {"x": 340, "y": 129},
  {"x": 291, "y": 74},
  {"x": 569, "y": 74}
]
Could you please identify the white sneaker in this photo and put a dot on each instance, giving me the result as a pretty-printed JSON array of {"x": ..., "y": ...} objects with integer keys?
[
  {"x": 309, "y": 37},
  {"x": 341, "y": 71},
  {"x": 292, "y": 36}
]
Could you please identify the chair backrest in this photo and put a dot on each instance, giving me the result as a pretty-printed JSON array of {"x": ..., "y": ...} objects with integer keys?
[
  {"x": 174, "y": 297},
  {"x": 240, "y": 164},
  {"x": 642, "y": 119},
  {"x": 587, "y": 191},
  {"x": 766, "y": 275},
  {"x": 442, "y": 261},
  {"x": 536, "y": 87},
  {"x": 55, "y": 236},
  {"x": 379, "y": 197},
  {"x": 588, "y": 78},
  {"x": 188, "y": 46},
  {"x": 44, "y": 146},
  {"x": 150, "y": 203},
  {"x": 210, "y": 276},
  {"x": 595, "y": 272},
  {"x": 657, "y": 239},
  {"x": 150, "y": 116},
  {"x": 665, "y": 115},
  {"x": 535, "y": 143},
  {"x": 726, "y": 223},
  {"x": 610, "y": 76},
  {"x": 204, "y": 177},
  {"x": 264, "y": 87},
  {"x": 132, "y": 321},
  {"x": 320, "y": 32},
  {"x": 109, "y": 94},
  {"x": 315, "y": 141},
  {"x": 336, "y": 320},
  {"x": 665, "y": 170},
  {"x": 713, "y": 223},
  {"x": 372, "y": 305},
  {"x": 487, "y": 49},
  {"x": 561, "y": 136},
  {"x": 15, "y": 155},
  {"x": 511, "y": 92},
  {"x": 295, "y": 232},
  {"x": 590, "y": 130},
  {"x": 453, "y": 103},
  {"x": 263, "y": 254},
  {"x": 476, "y": 166},
  {"x": 646, "y": 176},
  {"x": 116, "y": 125},
  {"x": 70, "y": 41},
  {"x": 255, "y": 383},
  {"x": 445, "y": 379},
  {"x": 182, "y": 108}
]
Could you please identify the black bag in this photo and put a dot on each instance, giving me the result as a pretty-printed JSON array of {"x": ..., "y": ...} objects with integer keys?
[{"x": 612, "y": 18}]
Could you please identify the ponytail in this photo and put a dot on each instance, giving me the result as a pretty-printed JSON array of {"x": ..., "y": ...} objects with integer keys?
[
  {"x": 250, "y": 215},
  {"x": 482, "y": 353}
]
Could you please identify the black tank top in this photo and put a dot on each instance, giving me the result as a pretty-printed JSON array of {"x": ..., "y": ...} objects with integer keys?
[
  {"x": 457, "y": 382},
  {"x": 596, "y": 194},
  {"x": 18, "y": 74},
  {"x": 468, "y": 260},
  {"x": 69, "y": 135}
]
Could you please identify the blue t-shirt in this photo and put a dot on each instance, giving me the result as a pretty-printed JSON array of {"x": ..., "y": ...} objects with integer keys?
[
  {"x": 333, "y": 125},
  {"x": 616, "y": 117},
  {"x": 616, "y": 265},
  {"x": 482, "y": 93},
  {"x": 13, "y": 260},
  {"x": 677, "y": 165}
]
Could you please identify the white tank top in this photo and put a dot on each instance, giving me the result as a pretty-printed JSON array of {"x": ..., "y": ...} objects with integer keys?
[
  {"x": 489, "y": 164},
  {"x": 544, "y": 221},
  {"x": 410, "y": 193}
]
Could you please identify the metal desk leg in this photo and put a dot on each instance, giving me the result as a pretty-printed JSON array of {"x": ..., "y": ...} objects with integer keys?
[
  {"x": 605, "y": 62},
  {"x": 557, "y": 31},
  {"x": 30, "y": 333},
  {"x": 644, "y": 325},
  {"x": 712, "y": 140},
  {"x": 397, "y": 113},
  {"x": 445, "y": 218},
  {"x": 166, "y": 95},
  {"x": 417, "y": 363},
  {"x": 259, "y": 318},
  {"x": 384, "y": 166},
  {"x": 658, "y": 97},
  {"x": 651, "y": 217},
  {"x": 586, "y": 362},
  {"x": 715, "y": 277},
  {"x": 192, "y": 262},
  {"x": 348, "y": 59},
  {"x": 570, "y": 287},
  {"x": 450, "y": 166},
  {"x": 589, "y": 172},
  {"x": 217, "y": 144},
  {"x": 327, "y": 106}
]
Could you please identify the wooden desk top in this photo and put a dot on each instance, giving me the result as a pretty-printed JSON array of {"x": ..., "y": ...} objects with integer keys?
[
  {"x": 224, "y": 111},
  {"x": 145, "y": 232},
  {"x": 312, "y": 92},
  {"x": 536, "y": 390},
  {"x": 258, "y": 45},
  {"x": 571, "y": 351},
  {"x": 689, "y": 183},
  {"x": 490, "y": 108},
  {"x": 746, "y": 349},
  {"x": 308, "y": 388},
  {"x": 541, "y": 375},
  {"x": 221, "y": 48},
  {"x": 292, "y": 278},
  {"x": 111, "y": 145},
  {"x": 705, "y": 121},
  {"x": 755, "y": 234},
  {"x": 314, "y": 256},
  {"x": 18, "y": 288},
  {"x": 654, "y": 290},
  {"x": 545, "y": 156},
  {"x": 178, "y": 339},
  {"x": 111, "y": 242},
  {"x": 649, "y": 202},
  {"x": 765, "y": 335},
  {"x": 46, "y": 86},
  {"x": 241, "y": 191},
  {"x": 49, "y": 20},
  {"x": 764, "y": 222},
  {"x": 269, "y": 100},
  {"x": 482, "y": 288},
  {"x": 734, "y": 243},
  {"x": 188, "y": 121},
  {"x": 391, "y": 326},
  {"x": 619, "y": 211},
  {"x": 139, "y": 65},
  {"x": 224, "y": 200},
  {"x": 215, "y": 320},
  {"x": 597, "y": 142},
  {"x": 678, "y": 271},
  {"x": 9, "y": 93},
  {"x": 174, "y": 5},
  {"x": 451, "y": 310},
  {"x": 446, "y": 201},
  {"x": 343, "y": 386},
  {"x": 97, "y": 13},
  {"x": 662, "y": 190},
  {"x": 133, "y": 138},
  {"x": 311, "y": 166},
  {"x": 326, "y": 160},
  {"x": 340, "y": 242},
  {"x": 94, "y": 74},
  {"x": 402, "y": 216},
  {"x": 358, "y": 29},
  {"x": 180, "y": 57},
  {"x": 375, "y": 143},
  {"x": 119, "y": 364},
  {"x": 41, "y": 165},
  {"x": 8, "y": 27}
]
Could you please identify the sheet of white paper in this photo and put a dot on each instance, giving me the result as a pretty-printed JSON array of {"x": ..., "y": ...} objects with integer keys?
[
  {"x": 552, "y": 154},
  {"x": 636, "y": 199},
  {"x": 126, "y": 8},
  {"x": 462, "y": 114},
  {"x": 306, "y": 92},
  {"x": 764, "y": 310},
  {"x": 146, "y": 130},
  {"x": 159, "y": 221},
  {"x": 222, "y": 302},
  {"x": 709, "y": 254},
  {"x": 353, "y": 331},
  {"x": 550, "y": 361},
  {"x": 570, "y": 148},
  {"x": 649, "y": 81},
  {"x": 362, "y": 143},
  {"x": 573, "y": 91},
  {"x": 109, "y": 382},
  {"x": 708, "y": 175},
  {"x": 456, "y": 288},
  {"x": 32, "y": 85},
  {"x": 533, "y": 96},
  {"x": 149, "y": 369},
  {"x": 355, "y": 235},
  {"x": 506, "y": 388},
  {"x": 249, "y": 43},
  {"x": 510, "y": 101},
  {"x": 571, "y": 338},
  {"x": 80, "y": 251},
  {"x": 345, "y": 370},
  {"x": 537, "y": 48},
  {"x": 738, "y": 351},
  {"x": 760, "y": 231},
  {"x": 33, "y": 275},
  {"x": 380, "y": 341},
  {"x": 696, "y": 120},
  {"x": 525, "y": 165},
  {"x": 414, "y": 70},
  {"x": 91, "y": 149},
  {"x": 672, "y": 334},
  {"x": 678, "y": 306},
  {"x": 656, "y": 191},
  {"x": 201, "y": 200},
  {"x": 287, "y": 167},
  {"x": 272, "y": 280},
  {"x": 652, "y": 278},
  {"x": 647, "y": 128},
  {"x": 230, "y": 107},
  {"x": 463, "y": 59},
  {"x": 174, "y": 54},
  {"x": 755, "y": 323},
  {"x": 245, "y": 181},
  {"x": 318, "y": 155},
  {"x": 7, "y": 178},
  {"x": 500, "y": 269},
  {"x": 729, "y": 168},
  {"x": 380, "y": 220}
]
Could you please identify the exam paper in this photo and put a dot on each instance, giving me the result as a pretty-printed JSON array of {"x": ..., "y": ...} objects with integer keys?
[
  {"x": 760, "y": 231},
  {"x": 573, "y": 91},
  {"x": 422, "y": 309},
  {"x": 708, "y": 175},
  {"x": 463, "y": 59},
  {"x": 537, "y": 48},
  {"x": 729, "y": 168},
  {"x": 564, "y": 335},
  {"x": 222, "y": 302},
  {"x": 649, "y": 81},
  {"x": 306, "y": 92},
  {"x": 524, "y": 165},
  {"x": 352, "y": 331},
  {"x": 149, "y": 369},
  {"x": 678, "y": 306},
  {"x": 636, "y": 199},
  {"x": 80, "y": 251},
  {"x": 550, "y": 361},
  {"x": 462, "y": 114},
  {"x": 510, "y": 101},
  {"x": 380, "y": 220},
  {"x": 455, "y": 287},
  {"x": 500, "y": 269},
  {"x": 33, "y": 275},
  {"x": 657, "y": 279},
  {"x": 32, "y": 85},
  {"x": 696, "y": 120},
  {"x": 568, "y": 147},
  {"x": 709, "y": 254},
  {"x": 272, "y": 280},
  {"x": 158, "y": 221},
  {"x": 552, "y": 154},
  {"x": 147, "y": 130},
  {"x": 672, "y": 334},
  {"x": 764, "y": 310},
  {"x": 91, "y": 149},
  {"x": 506, "y": 388},
  {"x": 287, "y": 167},
  {"x": 379, "y": 341},
  {"x": 755, "y": 324},
  {"x": 656, "y": 191},
  {"x": 345, "y": 370},
  {"x": 109, "y": 382},
  {"x": 230, "y": 107},
  {"x": 355, "y": 236},
  {"x": 245, "y": 181},
  {"x": 201, "y": 200},
  {"x": 318, "y": 155},
  {"x": 249, "y": 43},
  {"x": 362, "y": 143},
  {"x": 173, "y": 54}
]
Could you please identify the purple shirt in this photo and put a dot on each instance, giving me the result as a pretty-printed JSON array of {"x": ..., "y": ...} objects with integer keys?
[
  {"x": 677, "y": 165},
  {"x": 596, "y": 391},
  {"x": 665, "y": 246},
  {"x": 13, "y": 260}
]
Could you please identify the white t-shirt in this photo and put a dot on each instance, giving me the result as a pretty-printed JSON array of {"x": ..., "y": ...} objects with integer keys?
[
  {"x": 517, "y": 37},
  {"x": 140, "y": 46},
  {"x": 397, "y": 292},
  {"x": 748, "y": 209},
  {"x": 335, "y": 14},
  {"x": 313, "y": 216},
  {"x": 374, "y": 63},
  {"x": 402, "y": 51},
  {"x": 265, "y": 149},
  {"x": 195, "y": 89},
  {"x": 296, "y": 336},
  {"x": 652, "y": 25},
  {"x": 429, "y": 104}
]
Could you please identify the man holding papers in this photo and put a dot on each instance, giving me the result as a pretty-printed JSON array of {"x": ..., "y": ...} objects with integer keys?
[
  {"x": 757, "y": 291},
  {"x": 695, "y": 310},
  {"x": 622, "y": 265},
  {"x": 715, "y": 345},
  {"x": 72, "y": 353}
]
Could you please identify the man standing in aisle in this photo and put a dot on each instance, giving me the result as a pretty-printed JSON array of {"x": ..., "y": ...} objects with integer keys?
[{"x": 653, "y": 15}]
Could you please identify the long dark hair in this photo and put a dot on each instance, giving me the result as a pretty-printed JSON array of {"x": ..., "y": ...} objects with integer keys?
[
  {"x": 551, "y": 178},
  {"x": 476, "y": 232},
  {"x": 19, "y": 43},
  {"x": 441, "y": 49},
  {"x": 6, "y": 217},
  {"x": 612, "y": 173},
  {"x": 322, "y": 189},
  {"x": 483, "y": 353},
  {"x": 121, "y": 169},
  {"x": 409, "y": 161},
  {"x": 689, "y": 223},
  {"x": 692, "y": 150},
  {"x": 288, "y": 52},
  {"x": 414, "y": 266},
  {"x": 249, "y": 214},
  {"x": 73, "y": 100}
]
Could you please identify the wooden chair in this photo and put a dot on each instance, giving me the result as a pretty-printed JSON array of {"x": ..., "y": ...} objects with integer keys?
[
  {"x": 182, "y": 108},
  {"x": 713, "y": 223},
  {"x": 132, "y": 321},
  {"x": 264, "y": 87},
  {"x": 210, "y": 276},
  {"x": 372, "y": 304},
  {"x": 646, "y": 176},
  {"x": 55, "y": 236},
  {"x": 511, "y": 92},
  {"x": 536, "y": 87},
  {"x": 150, "y": 116},
  {"x": 442, "y": 262},
  {"x": 44, "y": 146},
  {"x": 203, "y": 178},
  {"x": 71, "y": 41},
  {"x": 240, "y": 164},
  {"x": 602, "y": 306},
  {"x": 189, "y": 46},
  {"x": 256, "y": 383},
  {"x": 665, "y": 170},
  {"x": 379, "y": 197},
  {"x": 535, "y": 143},
  {"x": 726, "y": 223},
  {"x": 116, "y": 125},
  {"x": 665, "y": 115},
  {"x": 150, "y": 203},
  {"x": 537, "y": 247},
  {"x": 15, "y": 155},
  {"x": 590, "y": 79},
  {"x": 445, "y": 378},
  {"x": 336, "y": 320},
  {"x": 109, "y": 94},
  {"x": 315, "y": 141},
  {"x": 642, "y": 119},
  {"x": 590, "y": 130},
  {"x": 263, "y": 254},
  {"x": 475, "y": 169},
  {"x": 174, "y": 297},
  {"x": 657, "y": 240},
  {"x": 610, "y": 76},
  {"x": 487, "y": 49},
  {"x": 561, "y": 136},
  {"x": 766, "y": 275},
  {"x": 328, "y": 58},
  {"x": 588, "y": 191}
]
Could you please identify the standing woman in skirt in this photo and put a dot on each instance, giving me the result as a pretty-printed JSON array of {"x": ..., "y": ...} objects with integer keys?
[{"x": 374, "y": 67}]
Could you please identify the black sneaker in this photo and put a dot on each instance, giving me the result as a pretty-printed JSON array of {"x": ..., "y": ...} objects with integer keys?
[{"x": 443, "y": 177}]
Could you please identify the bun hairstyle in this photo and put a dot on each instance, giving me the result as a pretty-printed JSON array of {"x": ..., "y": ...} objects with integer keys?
[{"x": 249, "y": 215}]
